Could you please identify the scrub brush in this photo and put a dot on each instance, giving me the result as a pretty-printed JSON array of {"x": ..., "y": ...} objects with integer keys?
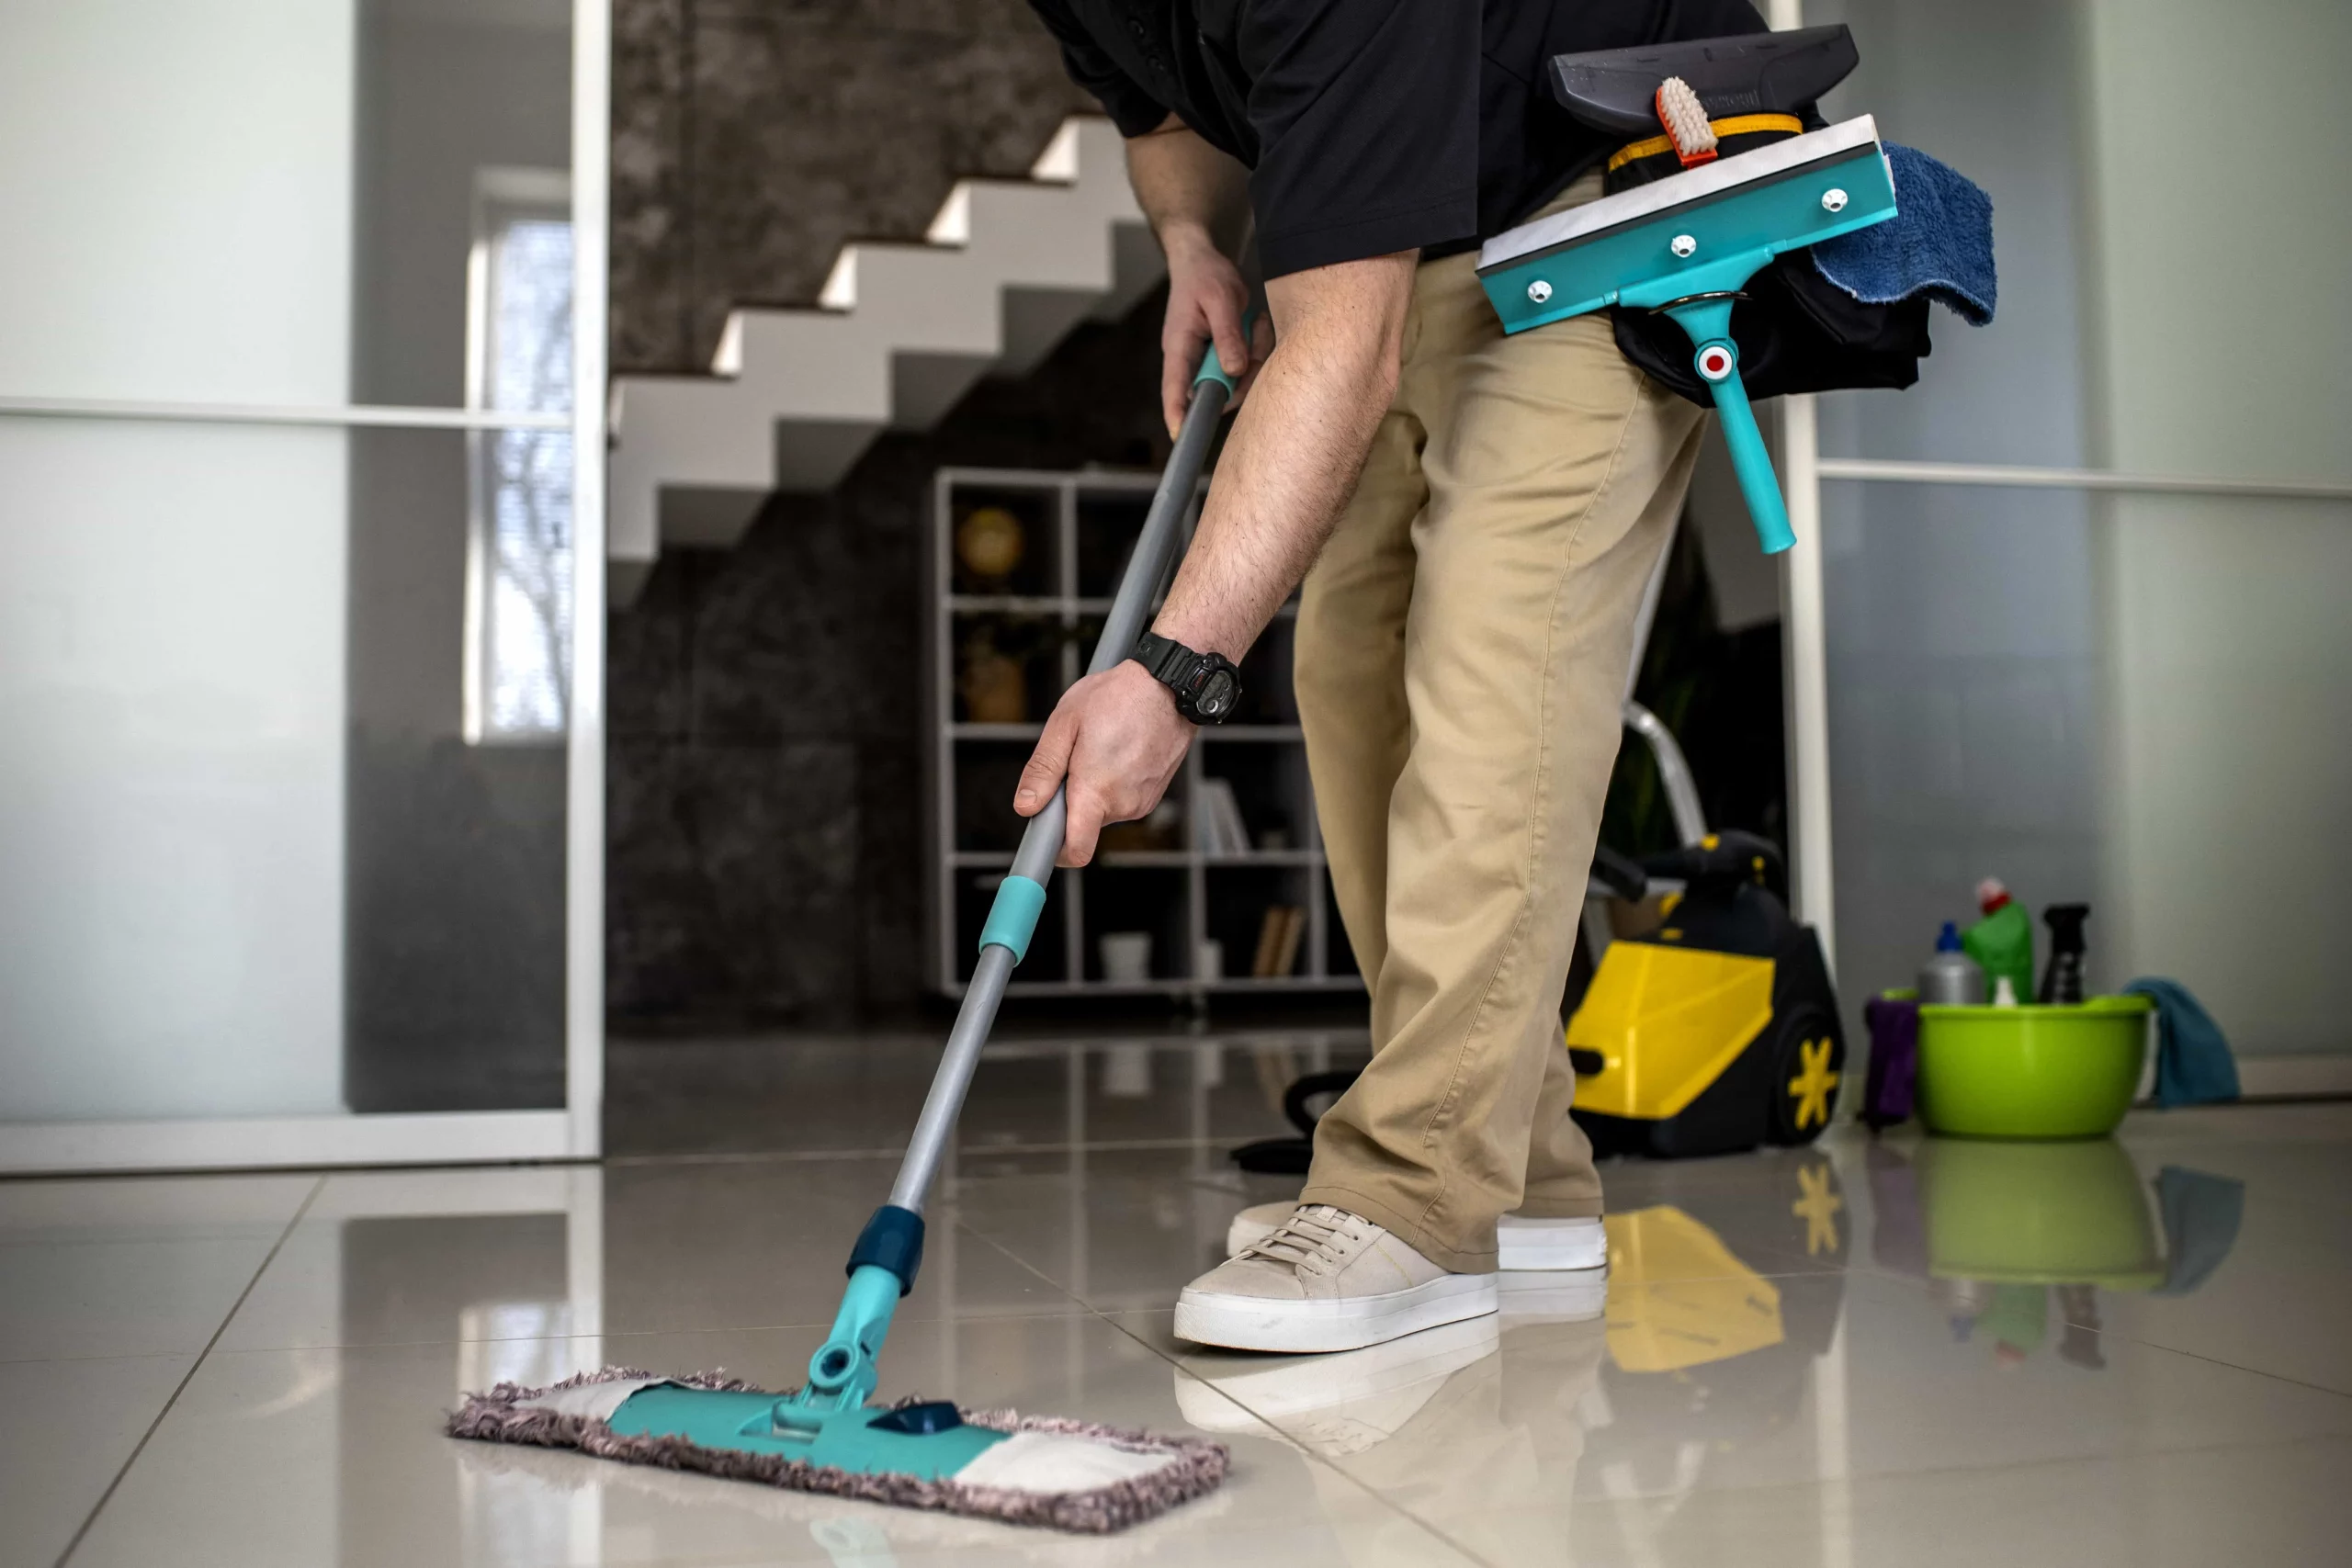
[{"x": 1685, "y": 123}]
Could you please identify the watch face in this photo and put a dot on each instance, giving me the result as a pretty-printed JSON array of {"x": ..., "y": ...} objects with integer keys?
[{"x": 1215, "y": 694}]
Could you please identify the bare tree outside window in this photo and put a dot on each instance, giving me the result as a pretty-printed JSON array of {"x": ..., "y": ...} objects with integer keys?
[{"x": 519, "y": 562}]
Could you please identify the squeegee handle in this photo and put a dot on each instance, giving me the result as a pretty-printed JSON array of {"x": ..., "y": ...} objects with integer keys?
[
  {"x": 1753, "y": 464},
  {"x": 1707, "y": 319},
  {"x": 1020, "y": 896}
]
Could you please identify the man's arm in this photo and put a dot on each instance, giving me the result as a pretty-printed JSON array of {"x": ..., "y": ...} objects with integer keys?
[
  {"x": 1289, "y": 468},
  {"x": 1196, "y": 199}
]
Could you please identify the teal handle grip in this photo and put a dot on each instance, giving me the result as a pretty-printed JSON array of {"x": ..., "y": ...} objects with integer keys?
[
  {"x": 1211, "y": 370},
  {"x": 1012, "y": 918},
  {"x": 1752, "y": 463},
  {"x": 1707, "y": 318}
]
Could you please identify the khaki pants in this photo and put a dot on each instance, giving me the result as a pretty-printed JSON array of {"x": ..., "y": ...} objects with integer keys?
[{"x": 1462, "y": 646}]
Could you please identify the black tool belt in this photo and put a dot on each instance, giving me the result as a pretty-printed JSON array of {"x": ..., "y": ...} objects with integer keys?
[{"x": 1797, "y": 332}]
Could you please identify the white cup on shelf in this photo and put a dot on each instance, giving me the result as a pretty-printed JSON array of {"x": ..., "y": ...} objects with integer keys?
[{"x": 1127, "y": 957}]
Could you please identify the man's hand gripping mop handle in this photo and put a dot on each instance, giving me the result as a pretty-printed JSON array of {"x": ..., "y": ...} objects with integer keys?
[{"x": 882, "y": 1266}]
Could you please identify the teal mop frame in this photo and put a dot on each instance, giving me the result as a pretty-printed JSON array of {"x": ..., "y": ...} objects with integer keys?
[
  {"x": 830, "y": 1421},
  {"x": 1687, "y": 246}
]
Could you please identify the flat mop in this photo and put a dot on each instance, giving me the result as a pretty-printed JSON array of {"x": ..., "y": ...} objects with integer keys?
[{"x": 829, "y": 1436}]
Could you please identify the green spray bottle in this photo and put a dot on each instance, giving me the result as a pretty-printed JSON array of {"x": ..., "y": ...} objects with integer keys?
[{"x": 2002, "y": 942}]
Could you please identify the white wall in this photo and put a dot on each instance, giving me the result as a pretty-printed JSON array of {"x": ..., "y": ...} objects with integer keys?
[
  {"x": 2146, "y": 702},
  {"x": 176, "y": 180},
  {"x": 2222, "y": 344}
]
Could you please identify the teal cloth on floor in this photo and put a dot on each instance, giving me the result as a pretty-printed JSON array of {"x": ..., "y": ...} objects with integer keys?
[{"x": 2194, "y": 1066}]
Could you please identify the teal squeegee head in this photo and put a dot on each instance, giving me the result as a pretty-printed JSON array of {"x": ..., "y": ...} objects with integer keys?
[{"x": 1687, "y": 244}]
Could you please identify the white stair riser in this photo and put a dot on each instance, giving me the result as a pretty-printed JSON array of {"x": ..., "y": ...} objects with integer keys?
[{"x": 797, "y": 395}]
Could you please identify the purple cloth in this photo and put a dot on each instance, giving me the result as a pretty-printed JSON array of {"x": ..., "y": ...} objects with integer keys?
[{"x": 1894, "y": 1060}]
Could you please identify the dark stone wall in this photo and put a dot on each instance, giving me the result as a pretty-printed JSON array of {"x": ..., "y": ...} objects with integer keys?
[
  {"x": 765, "y": 774},
  {"x": 750, "y": 137}
]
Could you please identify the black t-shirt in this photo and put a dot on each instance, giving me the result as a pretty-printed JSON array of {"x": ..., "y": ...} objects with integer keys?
[{"x": 1369, "y": 126}]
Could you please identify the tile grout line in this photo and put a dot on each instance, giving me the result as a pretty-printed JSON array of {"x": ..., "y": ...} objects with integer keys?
[
  {"x": 1076, "y": 1309},
  {"x": 106, "y": 1497}
]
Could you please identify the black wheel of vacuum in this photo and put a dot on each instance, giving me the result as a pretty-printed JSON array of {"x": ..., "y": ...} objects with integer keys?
[{"x": 1808, "y": 1061}]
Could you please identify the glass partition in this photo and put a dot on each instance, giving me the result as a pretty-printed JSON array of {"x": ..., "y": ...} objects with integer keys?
[
  {"x": 259, "y": 202},
  {"x": 2136, "y": 698},
  {"x": 297, "y": 570}
]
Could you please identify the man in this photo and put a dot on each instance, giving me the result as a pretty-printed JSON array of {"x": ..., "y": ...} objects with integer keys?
[{"x": 1480, "y": 515}]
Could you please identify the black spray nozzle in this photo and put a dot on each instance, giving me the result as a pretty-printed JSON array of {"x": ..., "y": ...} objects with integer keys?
[{"x": 2065, "y": 923}]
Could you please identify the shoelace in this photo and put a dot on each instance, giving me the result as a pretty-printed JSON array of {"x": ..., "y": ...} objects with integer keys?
[{"x": 1305, "y": 1240}]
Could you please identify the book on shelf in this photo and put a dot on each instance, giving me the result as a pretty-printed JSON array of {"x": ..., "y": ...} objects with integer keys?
[
  {"x": 1220, "y": 829},
  {"x": 1278, "y": 938}
]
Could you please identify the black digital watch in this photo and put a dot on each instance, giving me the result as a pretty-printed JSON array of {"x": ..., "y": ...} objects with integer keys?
[{"x": 1207, "y": 686}]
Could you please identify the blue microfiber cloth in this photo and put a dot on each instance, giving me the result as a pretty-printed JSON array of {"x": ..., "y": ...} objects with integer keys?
[
  {"x": 1940, "y": 242},
  {"x": 2193, "y": 1062}
]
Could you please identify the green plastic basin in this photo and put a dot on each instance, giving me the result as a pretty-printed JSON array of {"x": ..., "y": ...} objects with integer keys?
[{"x": 2032, "y": 1072}]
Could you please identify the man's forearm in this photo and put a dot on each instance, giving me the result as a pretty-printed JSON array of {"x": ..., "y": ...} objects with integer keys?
[
  {"x": 1296, "y": 448},
  {"x": 1190, "y": 192}
]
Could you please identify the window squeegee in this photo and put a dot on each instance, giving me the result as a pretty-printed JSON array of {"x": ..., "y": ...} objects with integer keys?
[{"x": 1686, "y": 245}]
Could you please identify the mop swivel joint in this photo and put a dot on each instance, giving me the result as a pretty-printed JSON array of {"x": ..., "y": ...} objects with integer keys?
[{"x": 843, "y": 1374}]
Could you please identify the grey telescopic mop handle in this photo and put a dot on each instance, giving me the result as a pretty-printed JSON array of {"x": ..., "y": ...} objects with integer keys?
[{"x": 1155, "y": 549}]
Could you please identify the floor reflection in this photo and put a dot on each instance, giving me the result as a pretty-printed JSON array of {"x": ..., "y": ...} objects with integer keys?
[
  {"x": 2017, "y": 1241},
  {"x": 2115, "y": 1351}
]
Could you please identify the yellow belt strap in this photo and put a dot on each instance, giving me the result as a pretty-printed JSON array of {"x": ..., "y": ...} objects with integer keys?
[{"x": 1738, "y": 125}]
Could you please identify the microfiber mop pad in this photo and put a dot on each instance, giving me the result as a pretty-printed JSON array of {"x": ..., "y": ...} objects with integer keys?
[{"x": 1032, "y": 1470}]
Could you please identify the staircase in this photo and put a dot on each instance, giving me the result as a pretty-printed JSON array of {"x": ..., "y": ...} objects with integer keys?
[{"x": 900, "y": 333}]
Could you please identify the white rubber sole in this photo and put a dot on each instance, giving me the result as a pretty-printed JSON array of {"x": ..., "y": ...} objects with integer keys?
[
  {"x": 1311, "y": 1327},
  {"x": 1525, "y": 1244}
]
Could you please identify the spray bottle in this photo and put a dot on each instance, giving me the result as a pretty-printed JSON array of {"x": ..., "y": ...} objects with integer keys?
[
  {"x": 2062, "y": 982},
  {"x": 2002, "y": 942}
]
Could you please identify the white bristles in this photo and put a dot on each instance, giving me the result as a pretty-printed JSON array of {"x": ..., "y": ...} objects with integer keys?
[{"x": 1685, "y": 119}]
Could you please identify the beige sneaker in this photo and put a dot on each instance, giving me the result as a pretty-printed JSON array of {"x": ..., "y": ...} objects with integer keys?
[
  {"x": 1325, "y": 1279},
  {"x": 1522, "y": 1244}
]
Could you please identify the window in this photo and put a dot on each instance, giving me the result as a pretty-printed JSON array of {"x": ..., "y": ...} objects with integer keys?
[{"x": 518, "y": 555}]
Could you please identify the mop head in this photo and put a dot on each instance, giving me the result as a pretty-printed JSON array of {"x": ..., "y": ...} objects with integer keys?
[{"x": 1048, "y": 1470}]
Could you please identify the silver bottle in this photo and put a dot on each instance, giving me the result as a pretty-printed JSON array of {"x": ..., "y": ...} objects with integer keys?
[{"x": 1950, "y": 978}]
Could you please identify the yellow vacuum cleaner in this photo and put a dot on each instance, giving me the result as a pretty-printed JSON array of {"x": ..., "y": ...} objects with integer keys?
[{"x": 1717, "y": 1030}]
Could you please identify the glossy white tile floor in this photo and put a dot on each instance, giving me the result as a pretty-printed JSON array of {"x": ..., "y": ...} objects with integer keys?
[{"x": 2136, "y": 1352}]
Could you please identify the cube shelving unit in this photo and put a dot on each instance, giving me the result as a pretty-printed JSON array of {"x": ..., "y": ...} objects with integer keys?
[{"x": 1077, "y": 528}]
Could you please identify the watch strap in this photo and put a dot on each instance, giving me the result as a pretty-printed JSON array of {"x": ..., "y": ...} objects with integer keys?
[{"x": 1165, "y": 656}]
